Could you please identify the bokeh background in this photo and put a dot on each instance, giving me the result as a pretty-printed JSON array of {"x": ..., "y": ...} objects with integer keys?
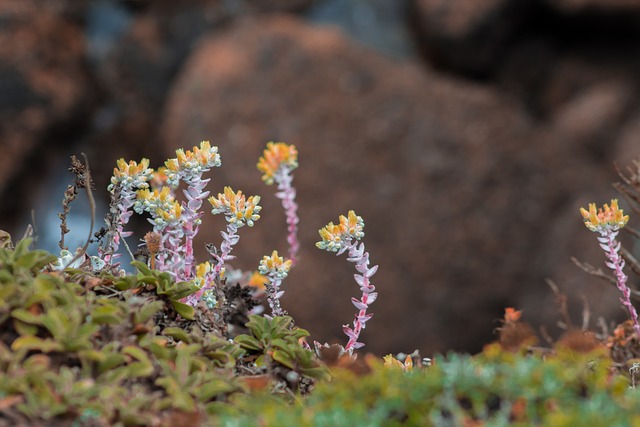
[{"x": 466, "y": 133}]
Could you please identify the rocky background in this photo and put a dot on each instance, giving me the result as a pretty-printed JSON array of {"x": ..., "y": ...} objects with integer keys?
[{"x": 467, "y": 134}]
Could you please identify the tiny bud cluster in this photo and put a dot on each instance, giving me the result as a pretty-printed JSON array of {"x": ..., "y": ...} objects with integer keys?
[
  {"x": 277, "y": 155},
  {"x": 236, "y": 208},
  {"x": 190, "y": 165},
  {"x": 130, "y": 175},
  {"x": 274, "y": 266},
  {"x": 607, "y": 218},
  {"x": 335, "y": 238},
  {"x": 162, "y": 206}
]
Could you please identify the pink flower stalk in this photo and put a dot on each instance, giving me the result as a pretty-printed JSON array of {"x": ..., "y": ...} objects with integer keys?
[
  {"x": 342, "y": 238},
  {"x": 126, "y": 179},
  {"x": 277, "y": 164},
  {"x": 276, "y": 269},
  {"x": 238, "y": 211},
  {"x": 189, "y": 166},
  {"x": 607, "y": 222}
]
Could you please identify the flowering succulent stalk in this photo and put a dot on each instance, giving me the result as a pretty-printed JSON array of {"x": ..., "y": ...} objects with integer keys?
[
  {"x": 607, "y": 222},
  {"x": 341, "y": 238},
  {"x": 238, "y": 211},
  {"x": 277, "y": 164},
  {"x": 166, "y": 218},
  {"x": 126, "y": 179},
  {"x": 276, "y": 269},
  {"x": 189, "y": 166}
]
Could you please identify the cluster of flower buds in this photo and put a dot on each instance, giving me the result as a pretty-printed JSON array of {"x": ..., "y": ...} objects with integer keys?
[
  {"x": 126, "y": 179},
  {"x": 276, "y": 158},
  {"x": 274, "y": 267},
  {"x": 161, "y": 205},
  {"x": 130, "y": 176},
  {"x": 606, "y": 219},
  {"x": 237, "y": 209},
  {"x": 337, "y": 238},
  {"x": 190, "y": 165}
]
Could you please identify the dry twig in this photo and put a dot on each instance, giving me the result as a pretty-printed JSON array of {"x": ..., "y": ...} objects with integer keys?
[{"x": 83, "y": 173}]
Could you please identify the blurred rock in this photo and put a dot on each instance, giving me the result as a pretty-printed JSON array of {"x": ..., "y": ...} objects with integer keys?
[
  {"x": 467, "y": 36},
  {"x": 44, "y": 91},
  {"x": 461, "y": 191},
  {"x": 139, "y": 68},
  {"x": 611, "y": 6}
]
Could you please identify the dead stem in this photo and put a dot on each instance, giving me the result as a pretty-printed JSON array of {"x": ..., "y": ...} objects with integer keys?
[
  {"x": 126, "y": 245},
  {"x": 83, "y": 179},
  {"x": 597, "y": 272},
  {"x": 632, "y": 261},
  {"x": 561, "y": 301},
  {"x": 586, "y": 312}
]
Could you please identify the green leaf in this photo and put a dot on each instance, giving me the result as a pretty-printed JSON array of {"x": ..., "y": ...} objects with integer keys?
[
  {"x": 320, "y": 373},
  {"x": 180, "y": 290},
  {"x": 24, "y": 328},
  {"x": 282, "y": 344},
  {"x": 22, "y": 247},
  {"x": 6, "y": 276},
  {"x": 29, "y": 342},
  {"x": 143, "y": 367},
  {"x": 139, "y": 369},
  {"x": 283, "y": 358},
  {"x": 111, "y": 361},
  {"x": 34, "y": 260},
  {"x": 281, "y": 323},
  {"x": 107, "y": 315},
  {"x": 126, "y": 283},
  {"x": 159, "y": 350},
  {"x": 26, "y": 316},
  {"x": 248, "y": 342},
  {"x": 214, "y": 388},
  {"x": 142, "y": 268},
  {"x": 177, "y": 334},
  {"x": 57, "y": 322},
  {"x": 148, "y": 311},
  {"x": 93, "y": 355},
  {"x": 148, "y": 280},
  {"x": 136, "y": 353},
  {"x": 184, "y": 310},
  {"x": 258, "y": 326}
]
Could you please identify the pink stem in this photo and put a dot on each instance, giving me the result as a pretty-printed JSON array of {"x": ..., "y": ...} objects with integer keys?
[
  {"x": 616, "y": 263},
  {"x": 189, "y": 259},
  {"x": 194, "y": 194},
  {"x": 361, "y": 258},
  {"x": 230, "y": 238},
  {"x": 288, "y": 195}
]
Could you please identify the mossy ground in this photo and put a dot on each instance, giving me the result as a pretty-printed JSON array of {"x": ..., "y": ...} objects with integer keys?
[{"x": 80, "y": 349}]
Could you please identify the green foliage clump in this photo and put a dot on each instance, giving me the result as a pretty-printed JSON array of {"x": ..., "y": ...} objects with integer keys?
[
  {"x": 79, "y": 348},
  {"x": 493, "y": 388},
  {"x": 76, "y": 347}
]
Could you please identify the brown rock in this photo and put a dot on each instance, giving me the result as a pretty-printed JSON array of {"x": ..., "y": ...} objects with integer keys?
[
  {"x": 467, "y": 35},
  {"x": 459, "y": 191},
  {"x": 139, "y": 70},
  {"x": 44, "y": 90},
  {"x": 616, "y": 6}
]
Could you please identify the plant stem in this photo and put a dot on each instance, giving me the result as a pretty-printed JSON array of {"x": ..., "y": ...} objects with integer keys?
[
  {"x": 361, "y": 258},
  {"x": 616, "y": 263}
]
